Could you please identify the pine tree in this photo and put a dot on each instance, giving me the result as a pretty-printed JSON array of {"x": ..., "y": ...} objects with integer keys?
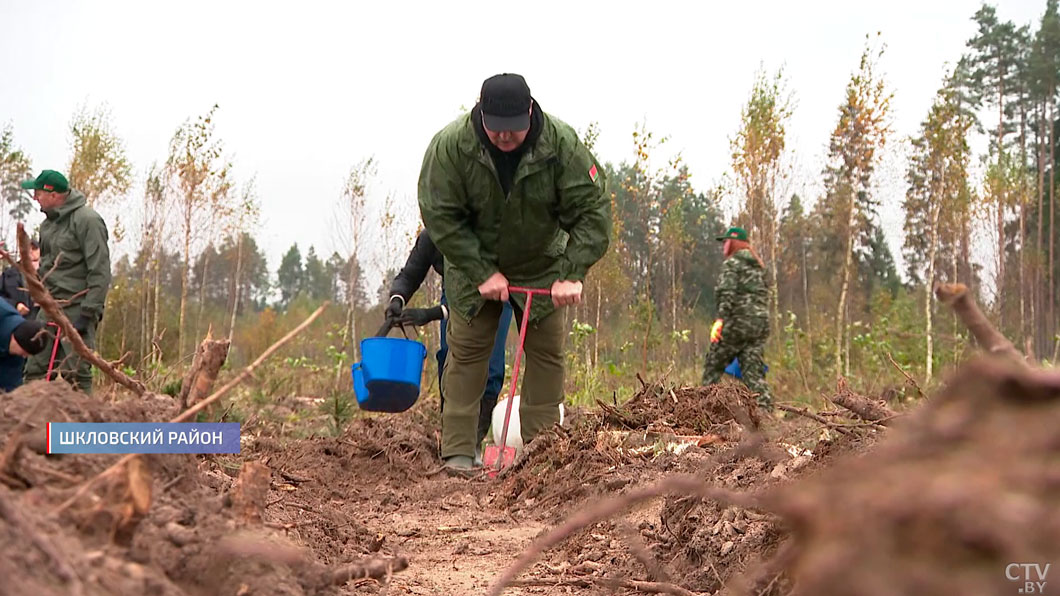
[
  {"x": 14, "y": 168},
  {"x": 994, "y": 70},
  {"x": 793, "y": 255},
  {"x": 290, "y": 277}
]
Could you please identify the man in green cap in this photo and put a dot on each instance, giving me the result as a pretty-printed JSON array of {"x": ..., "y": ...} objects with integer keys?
[
  {"x": 75, "y": 263},
  {"x": 511, "y": 197},
  {"x": 742, "y": 326}
]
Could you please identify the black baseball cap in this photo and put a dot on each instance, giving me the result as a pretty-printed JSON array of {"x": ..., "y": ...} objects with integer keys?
[{"x": 505, "y": 102}]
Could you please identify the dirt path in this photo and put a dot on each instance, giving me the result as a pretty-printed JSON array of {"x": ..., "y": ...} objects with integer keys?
[
  {"x": 458, "y": 543},
  {"x": 455, "y": 545},
  {"x": 372, "y": 490}
]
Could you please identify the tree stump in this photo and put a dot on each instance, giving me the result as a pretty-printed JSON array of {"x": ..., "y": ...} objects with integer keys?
[
  {"x": 250, "y": 493},
  {"x": 136, "y": 501},
  {"x": 210, "y": 356}
]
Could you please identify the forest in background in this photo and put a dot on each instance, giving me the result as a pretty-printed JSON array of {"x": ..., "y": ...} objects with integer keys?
[{"x": 840, "y": 305}]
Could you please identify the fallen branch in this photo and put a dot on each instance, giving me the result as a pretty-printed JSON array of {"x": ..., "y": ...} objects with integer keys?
[
  {"x": 617, "y": 414},
  {"x": 62, "y": 567},
  {"x": 54, "y": 473},
  {"x": 196, "y": 408},
  {"x": 957, "y": 297},
  {"x": 291, "y": 477},
  {"x": 865, "y": 408},
  {"x": 377, "y": 568},
  {"x": 55, "y": 313},
  {"x": 613, "y": 583},
  {"x": 907, "y": 376},
  {"x": 253, "y": 547},
  {"x": 9, "y": 455},
  {"x": 683, "y": 484},
  {"x": 771, "y": 570},
  {"x": 808, "y": 414},
  {"x": 13, "y": 482},
  {"x": 636, "y": 547}
]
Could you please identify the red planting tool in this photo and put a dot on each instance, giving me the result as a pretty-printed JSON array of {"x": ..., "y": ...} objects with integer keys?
[
  {"x": 501, "y": 456},
  {"x": 55, "y": 349}
]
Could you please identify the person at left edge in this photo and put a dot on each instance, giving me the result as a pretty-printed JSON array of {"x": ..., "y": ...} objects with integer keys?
[
  {"x": 13, "y": 285},
  {"x": 18, "y": 338}
]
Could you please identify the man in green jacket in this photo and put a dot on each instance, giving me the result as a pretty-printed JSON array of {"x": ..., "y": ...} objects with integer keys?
[
  {"x": 511, "y": 197},
  {"x": 742, "y": 327},
  {"x": 75, "y": 261}
]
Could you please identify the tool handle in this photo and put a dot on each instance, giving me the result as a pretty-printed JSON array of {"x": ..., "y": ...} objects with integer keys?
[
  {"x": 529, "y": 291},
  {"x": 55, "y": 350}
]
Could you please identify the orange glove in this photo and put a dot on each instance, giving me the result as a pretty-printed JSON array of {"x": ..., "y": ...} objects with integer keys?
[{"x": 715, "y": 331}]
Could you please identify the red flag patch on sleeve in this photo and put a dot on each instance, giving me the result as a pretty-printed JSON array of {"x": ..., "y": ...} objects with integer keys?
[{"x": 593, "y": 173}]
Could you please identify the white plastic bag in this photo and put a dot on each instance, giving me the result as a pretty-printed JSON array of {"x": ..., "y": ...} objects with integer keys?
[{"x": 515, "y": 437}]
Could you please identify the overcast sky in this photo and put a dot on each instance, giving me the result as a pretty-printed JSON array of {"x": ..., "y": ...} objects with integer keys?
[{"x": 308, "y": 89}]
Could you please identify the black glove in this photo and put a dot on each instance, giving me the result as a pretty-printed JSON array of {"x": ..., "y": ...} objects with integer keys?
[
  {"x": 393, "y": 310},
  {"x": 421, "y": 316},
  {"x": 81, "y": 323}
]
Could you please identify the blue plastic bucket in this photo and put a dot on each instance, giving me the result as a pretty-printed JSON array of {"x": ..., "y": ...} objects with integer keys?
[
  {"x": 387, "y": 379},
  {"x": 358, "y": 383}
]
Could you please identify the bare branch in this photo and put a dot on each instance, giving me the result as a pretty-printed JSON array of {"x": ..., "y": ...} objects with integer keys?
[
  {"x": 247, "y": 372},
  {"x": 808, "y": 414},
  {"x": 909, "y": 378},
  {"x": 682, "y": 484},
  {"x": 613, "y": 583},
  {"x": 865, "y": 408},
  {"x": 957, "y": 297},
  {"x": 44, "y": 298},
  {"x": 378, "y": 568}
]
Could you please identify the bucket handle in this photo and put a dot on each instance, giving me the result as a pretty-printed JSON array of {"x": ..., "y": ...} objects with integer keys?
[{"x": 389, "y": 324}]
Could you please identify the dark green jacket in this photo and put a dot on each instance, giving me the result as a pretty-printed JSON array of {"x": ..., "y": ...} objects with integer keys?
[
  {"x": 742, "y": 297},
  {"x": 553, "y": 225},
  {"x": 77, "y": 233}
]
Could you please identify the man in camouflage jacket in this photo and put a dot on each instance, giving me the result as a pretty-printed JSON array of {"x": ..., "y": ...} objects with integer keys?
[{"x": 743, "y": 317}]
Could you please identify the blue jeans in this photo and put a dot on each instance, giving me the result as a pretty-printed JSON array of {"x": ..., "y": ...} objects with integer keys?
[{"x": 495, "y": 378}]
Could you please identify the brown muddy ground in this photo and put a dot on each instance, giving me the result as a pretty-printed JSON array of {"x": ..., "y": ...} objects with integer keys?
[{"x": 932, "y": 505}]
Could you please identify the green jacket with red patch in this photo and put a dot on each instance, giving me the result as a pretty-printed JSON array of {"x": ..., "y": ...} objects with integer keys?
[
  {"x": 76, "y": 236},
  {"x": 553, "y": 225}
]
